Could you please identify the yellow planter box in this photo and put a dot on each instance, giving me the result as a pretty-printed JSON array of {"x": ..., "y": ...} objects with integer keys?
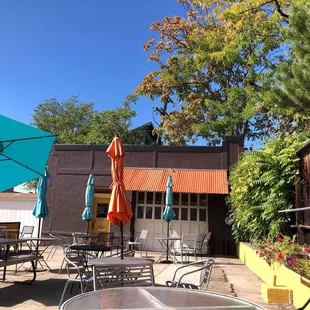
[{"x": 281, "y": 283}]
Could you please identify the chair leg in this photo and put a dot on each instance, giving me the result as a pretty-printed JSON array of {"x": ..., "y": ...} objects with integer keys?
[
  {"x": 145, "y": 251},
  {"x": 63, "y": 294},
  {"x": 139, "y": 246}
]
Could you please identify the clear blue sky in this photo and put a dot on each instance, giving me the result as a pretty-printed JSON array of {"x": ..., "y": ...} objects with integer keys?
[{"x": 60, "y": 48}]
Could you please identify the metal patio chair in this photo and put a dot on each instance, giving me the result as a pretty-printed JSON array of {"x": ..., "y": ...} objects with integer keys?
[
  {"x": 77, "y": 262},
  {"x": 192, "y": 244},
  {"x": 140, "y": 241},
  {"x": 205, "y": 266}
]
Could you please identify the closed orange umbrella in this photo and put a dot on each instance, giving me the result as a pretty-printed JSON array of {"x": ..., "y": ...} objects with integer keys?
[{"x": 119, "y": 212}]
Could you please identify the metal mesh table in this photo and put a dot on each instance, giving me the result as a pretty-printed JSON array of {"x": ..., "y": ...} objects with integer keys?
[{"x": 155, "y": 298}]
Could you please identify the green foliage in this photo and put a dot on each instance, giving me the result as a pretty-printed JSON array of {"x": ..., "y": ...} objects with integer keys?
[
  {"x": 285, "y": 251},
  {"x": 76, "y": 122},
  {"x": 213, "y": 66},
  {"x": 291, "y": 94},
  {"x": 261, "y": 184},
  {"x": 31, "y": 186},
  {"x": 68, "y": 119}
]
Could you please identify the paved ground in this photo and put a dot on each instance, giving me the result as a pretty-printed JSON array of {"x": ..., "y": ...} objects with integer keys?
[{"x": 229, "y": 276}]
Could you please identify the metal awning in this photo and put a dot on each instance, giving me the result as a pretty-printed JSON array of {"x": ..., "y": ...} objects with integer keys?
[{"x": 184, "y": 180}]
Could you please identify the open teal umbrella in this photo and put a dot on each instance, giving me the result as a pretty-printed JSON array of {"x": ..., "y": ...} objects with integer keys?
[
  {"x": 24, "y": 151},
  {"x": 87, "y": 214},
  {"x": 168, "y": 214}
]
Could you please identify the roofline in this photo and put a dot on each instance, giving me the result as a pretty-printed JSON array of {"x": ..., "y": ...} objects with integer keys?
[
  {"x": 303, "y": 148},
  {"x": 139, "y": 148},
  {"x": 173, "y": 169}
]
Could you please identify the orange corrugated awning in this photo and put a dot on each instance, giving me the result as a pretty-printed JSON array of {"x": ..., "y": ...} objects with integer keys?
[{"x": 184, "y": 181}]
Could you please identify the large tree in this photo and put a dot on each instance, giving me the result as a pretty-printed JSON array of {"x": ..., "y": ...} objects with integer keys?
[
  {"x": 69, "y": 119},
  {"x": 76, "y": 122},
  {"x": 291, "y": 94},
  {"x": 214, "y": 63}
]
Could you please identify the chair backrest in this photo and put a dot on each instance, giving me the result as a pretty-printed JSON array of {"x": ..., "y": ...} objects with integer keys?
[
  {"x": 3, "y": 232},
  {"x": 27, "y": 230},
  {"x": 76, "y": 262},
  {"x": 207, "y": 273},
  {"x": 199, "y": 241},
  {"x": 143, "y": 236},
  {"x": 106, "y": 238}
]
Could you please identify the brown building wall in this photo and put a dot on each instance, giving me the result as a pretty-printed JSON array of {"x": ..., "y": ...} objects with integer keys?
[{"x": 70, "y": 166}]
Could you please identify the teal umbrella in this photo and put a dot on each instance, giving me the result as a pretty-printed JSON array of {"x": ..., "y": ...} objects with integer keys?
[
  {"x": 40, "y": 209},
  {"x": 89, "y": 198},
  {"x": 24, "y": 151},
  {"x": 168, "y": 214}
]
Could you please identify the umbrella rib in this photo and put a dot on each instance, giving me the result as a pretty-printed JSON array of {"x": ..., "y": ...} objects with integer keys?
[
  {"x": 31, "y": 138},
  {"x": 19, "y": 163},
  {"x": 7, "y": 146}
]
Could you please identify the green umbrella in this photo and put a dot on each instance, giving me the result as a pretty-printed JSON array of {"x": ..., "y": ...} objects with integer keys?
[{"x": 24, "y": 151}]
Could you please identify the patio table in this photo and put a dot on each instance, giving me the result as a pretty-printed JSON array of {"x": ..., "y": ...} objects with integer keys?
[
  {"x": 34, "y": 247},
  {"x": 167, "y": 244},
  {"x": 155, "y": 298},
  {"x": 114, "y": 271},
  {"x": 91, "y": 248},
  {"x": 8, "y": 243}
]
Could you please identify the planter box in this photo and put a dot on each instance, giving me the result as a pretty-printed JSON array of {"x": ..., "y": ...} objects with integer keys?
[{"x": 279, "y": 279}]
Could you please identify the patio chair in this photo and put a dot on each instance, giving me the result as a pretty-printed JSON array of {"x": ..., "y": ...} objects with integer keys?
[
  {"x": 27, "y": 231},
  {"x": 191, "y": 244},
  {"x": 3, "y": 232},
  {"x": 204, "y": 266},
  {"x": 140, "y": 241},
  {"x": 76, "y": 261}
]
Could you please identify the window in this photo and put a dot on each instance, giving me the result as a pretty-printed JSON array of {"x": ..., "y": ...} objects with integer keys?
[
  {"x": 149, "y": 198},
  {"x": 149, "y": 213},
  {"x": 176, "y": 211},
  {"x": 184, "y": 200},
  {"x": 176, "y": 199},
  {"x": 193, "y": 214},
  {"x": 202, "y": 215},
  {"x": 140, "y": 212},
  {"x": 158, "y": 198},
  {"x": 203, "y": 199},
  {"x": 194, "y": 200},
  {"x": 102, "y": 210},
  {"x": 158, "y": 213},
  {"x": 141, "y": 197},
  {"x": 184, "y": 214}
]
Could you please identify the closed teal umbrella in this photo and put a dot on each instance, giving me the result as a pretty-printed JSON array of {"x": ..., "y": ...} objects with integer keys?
[
  {"x": 24, "y": 151},
  {"x": 168, "y": 214},
  {"x": 40, "y": 209},
  {"x": 89, "y": 199}
]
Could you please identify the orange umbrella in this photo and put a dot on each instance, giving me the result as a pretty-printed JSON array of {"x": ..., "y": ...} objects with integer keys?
[{"x": 119, "y": 212}]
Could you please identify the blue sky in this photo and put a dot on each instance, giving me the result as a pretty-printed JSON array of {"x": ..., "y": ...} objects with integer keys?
[{"x": 62, "y": 48}]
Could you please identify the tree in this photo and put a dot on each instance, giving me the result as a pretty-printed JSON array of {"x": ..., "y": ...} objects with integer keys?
[
  {"x": 261, "y": 184},
  {"x": 213, "y": 65},
  {"x": 291, "y": 94},
  {"x": 108, "y": 123},
  {"x": 69, "y": 119}
]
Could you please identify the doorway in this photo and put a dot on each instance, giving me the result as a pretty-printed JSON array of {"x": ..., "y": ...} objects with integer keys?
[{"x": 100, "y": 223}]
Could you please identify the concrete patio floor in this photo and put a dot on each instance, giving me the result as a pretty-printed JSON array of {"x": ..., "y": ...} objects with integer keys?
[{"x": 229, "y": 276}]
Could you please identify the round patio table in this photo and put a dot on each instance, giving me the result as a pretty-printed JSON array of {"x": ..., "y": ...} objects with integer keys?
[{"x": 155, "y": 298}]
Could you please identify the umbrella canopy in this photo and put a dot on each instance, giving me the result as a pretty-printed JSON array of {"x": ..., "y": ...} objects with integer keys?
[
  {"x": 23, "y": 152},
  {"x": 89, "y": 199},
  {"x": 119, "y": 208},
  {"x": 40, "y": 209},
  {"x": 169, "y": 214}
]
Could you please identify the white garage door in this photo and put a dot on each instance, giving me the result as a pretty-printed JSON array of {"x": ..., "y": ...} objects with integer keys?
[{"x": 191, "y": 215}]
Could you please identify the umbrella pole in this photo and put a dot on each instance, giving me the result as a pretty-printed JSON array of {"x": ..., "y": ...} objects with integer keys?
[
  {"x": 122, "y": 239},
  {"x": 167, "y": 240},
  {"x": 37, "y": 247}
]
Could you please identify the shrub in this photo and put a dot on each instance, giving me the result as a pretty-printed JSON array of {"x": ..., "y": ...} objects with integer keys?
[{"x": 261, "y": 184}]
